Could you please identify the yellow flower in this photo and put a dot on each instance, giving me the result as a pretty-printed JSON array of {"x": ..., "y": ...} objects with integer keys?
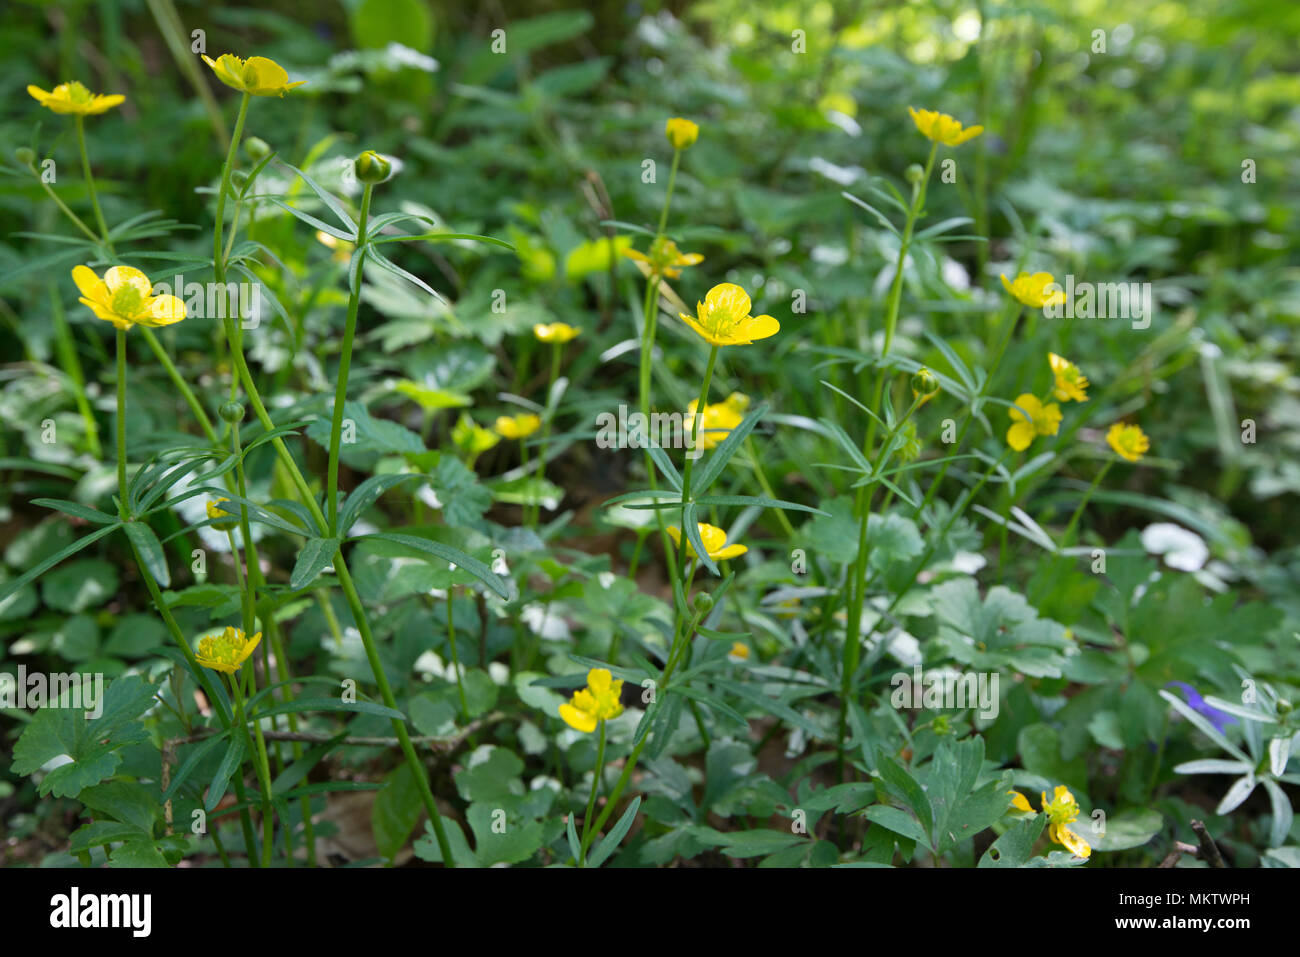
[
  {"x": 681, "y": 133},
  {"x": 714, "y": 540},
  {"x": 472, "y": 437},
  {"x": 1042, "y": 420},
  {"x": 256, "y": 75},
  {"x": 1061, "y": 811},
  {"x": 1128, "y": 441},
  {"x": 1070, "y": 382},
  {"x": 723, "y": 318},
  {"x": 595, "y": 703},
  {"x": 342, "y": 248},
  {"x": 75, "y": 98},
  {"x": 740, "y": 650},
  {"x": 1032, "y": 290},
  {"x": 518, "y": 426},
  {"x": 125, "y": 298},
  {"x": 942, "y": 128},
  {"x": 227, "y": 651},
  {"x": 559, "y": 332},
  {"x": 222, "y": 520},
  {"x": 717, "y": 420},
  {"x": 664, "y": 258}
]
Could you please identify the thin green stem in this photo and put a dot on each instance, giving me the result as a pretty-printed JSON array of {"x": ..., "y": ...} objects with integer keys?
[
  {"x": 455, "y": 657},
  {"x": 589, "y": 832},
  {"x": 697, "y": 424},
  {"x": 90, "y": 180},
  {"x": 122, "y": 510},
  {"x": 345, "y": 365},
  {"x": 257, "y": 751}
]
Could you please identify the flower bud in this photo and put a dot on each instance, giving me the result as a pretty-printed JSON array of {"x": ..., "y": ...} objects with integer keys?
[
  {"x": 703, "y": 603},
  {"x": 221, "y": 519},
  {"x": 924, "y": 385},
  {"x": 915, "y": 173},
  {"x": 25, "y": 155},
  {"x": 231, "y": 412},
  {"x": 371, "y": 167},
  {"x": 238, "y": 179},
  {"x": 257, "y": 148},
  {"x": 681, "y": 133}
]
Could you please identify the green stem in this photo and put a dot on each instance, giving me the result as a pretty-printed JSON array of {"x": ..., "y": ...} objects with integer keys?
[
  {"x": 697, "y": 423},
  {"x": 345, "y": 365},
  {"x": 90, "y": 180},
  {"x": 589, "y": 832},
  {"x": 122, "y": 511},
  {"x": 455, "y": 658},
  {"x": 257, "y": 751}
]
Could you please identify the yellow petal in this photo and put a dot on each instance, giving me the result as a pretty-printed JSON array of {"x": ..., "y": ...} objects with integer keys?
[
  {"x": 1074, "y": 842},
  {"x": 1020, "y": 435},
  {"x": 165, "y": 310},
  {"x": 578, "y": 720},
  {"x": 760, "y": 327},
  {"x": 731, "y": 551}
]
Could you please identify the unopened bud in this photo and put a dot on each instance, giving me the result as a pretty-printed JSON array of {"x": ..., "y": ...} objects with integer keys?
[
  {"x": 231, "y": 412},
  {"x": 925, "y": 386},
  {"x": 371, "y": 167},
  {"x": 257, "y": 148}
]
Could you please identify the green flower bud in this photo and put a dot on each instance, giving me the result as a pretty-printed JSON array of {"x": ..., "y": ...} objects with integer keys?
[
  {"x": 238, "y": 179},
  {"x": 25, "y": 155},
  {"x": 257, "y": 148},
  {"x": 371, "y": 167},
  {"x": 915, "y": 173},
  {"x": 924, "y": 385},
  {"x": 231, "y": 412},
  {"x": 703, "y": 603}
]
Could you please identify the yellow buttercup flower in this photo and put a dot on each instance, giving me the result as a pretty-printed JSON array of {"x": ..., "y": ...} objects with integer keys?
[
  {"x": 227, "y": 651},
  {"x": 125, "y": 298},
  {"x": 664, "y": 258},
  {"x": 739, "y": 650},
  {"x": 1070, "y": 382},
  {"x": 717, "y": 420},
  {"x": 681, "y": 133},
  {"x": 76, "y": 99},
  {"x": 1042, "y": 420},
  {"x": 942, "y": 128},
  {"x": 723, "y": 318},
  {"x": 595, "y": 703},
  {"x": 714, "y": 540},
  {"x": 1129, "y": 441},
  {"x": 222, "y": 520},
  {"x": 1062, "y": 811},
  {"x": 559, "y": 332},
  {"x": 518, "y": 426},
  {"x": 1032, "y": 290},
  {"x": 257, "y": 75},
  {"x": 472, "y": 437}
]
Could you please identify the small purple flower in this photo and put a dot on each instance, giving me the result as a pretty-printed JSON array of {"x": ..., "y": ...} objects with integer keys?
[{"x": 1220, "y": 719}]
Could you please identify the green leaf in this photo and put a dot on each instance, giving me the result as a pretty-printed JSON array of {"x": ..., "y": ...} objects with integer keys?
[
  {"x": 609, "y": 843},
  {"x": 396, "y": 811},
  {"x": 1014, "y": 847},
  {"x": 502, "y": 833},
  {"x": 14, "y": 585},
  {"x": 315, "y": 555},
  {"x": 77, "y": 510},
  {"x": 454, "y": 555},
  {"x": 91, "y": 744},
  {"x": 150, "y": 551}
]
